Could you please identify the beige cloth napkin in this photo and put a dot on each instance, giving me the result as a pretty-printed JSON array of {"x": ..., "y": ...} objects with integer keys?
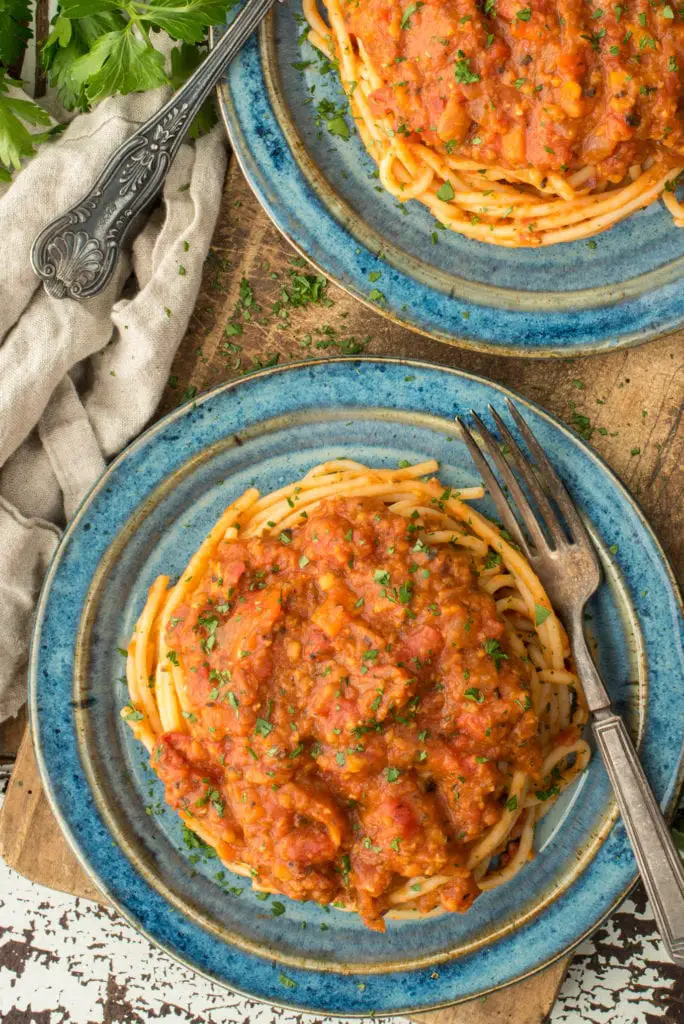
[{"x": 79, "y": 380}]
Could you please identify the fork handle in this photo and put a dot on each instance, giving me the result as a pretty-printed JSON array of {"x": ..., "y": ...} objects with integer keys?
[
  {"x": 659, "y": 862},
  {"x": 75, "y": 255}
]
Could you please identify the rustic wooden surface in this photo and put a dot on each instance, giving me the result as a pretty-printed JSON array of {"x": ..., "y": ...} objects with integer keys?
[{"x": 628, "y": 403}]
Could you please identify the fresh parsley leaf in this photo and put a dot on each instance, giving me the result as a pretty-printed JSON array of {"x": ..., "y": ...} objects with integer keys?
[
  {"x": 68, "y": 41},
  {"x": 185, "y": 20},
  {"x": 15, "y": 17},
  {"x": 16, "y": 141},
  {"x": 119, "y": 62},
  {"x": 184, "y": 59}
]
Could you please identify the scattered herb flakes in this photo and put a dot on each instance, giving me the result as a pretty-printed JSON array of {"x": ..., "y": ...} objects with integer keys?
[
  {"x": 463, "y": 73},
  {"x": 446, "y": 192},
  {"x": 408, "y": 14},
  {"x": 332, "y": 116},
  {"x": 541, "y": 614},
  {"x": 495, "y": 651}
]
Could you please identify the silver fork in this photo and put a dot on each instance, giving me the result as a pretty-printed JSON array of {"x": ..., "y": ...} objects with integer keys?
[{"x": 569, "y": 570}]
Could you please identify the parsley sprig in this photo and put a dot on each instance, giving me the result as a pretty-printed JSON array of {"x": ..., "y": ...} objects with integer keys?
[{"x": 98, "y": 48}]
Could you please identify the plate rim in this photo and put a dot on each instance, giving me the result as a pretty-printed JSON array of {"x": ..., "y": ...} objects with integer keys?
[
  {"x": 34, "y": 656},
  {"x": 608, "y": 342}
]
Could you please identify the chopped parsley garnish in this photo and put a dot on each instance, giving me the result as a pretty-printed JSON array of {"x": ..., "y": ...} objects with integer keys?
[
  {"x": 262, "y": 727},
  {"x": 131, "y": 713},
  {"x": 512, "y": 804},
  {"x": 474, "y": 694},
  {"x": 445, "y": 192},
  {"x": 209, "y": 622},
  {"x": 595, "y": 38},
  {"x": 392, "y": 774},
  {"x": 462, "y": 71},
  {"x": 409, "y": 12},
  {"x": 524, "y": 14},
  {"x": 541, "y": 614},
  {"x": 545, "y": 794},
  {"x": 492, "y": 559},
  {"x": 495, "y": 651}
]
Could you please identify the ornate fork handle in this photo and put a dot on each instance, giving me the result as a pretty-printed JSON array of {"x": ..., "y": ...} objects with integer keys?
[{"x": 75, "y": 255}]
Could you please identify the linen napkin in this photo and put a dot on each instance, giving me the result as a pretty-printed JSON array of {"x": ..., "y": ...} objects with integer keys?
[{"x": 78, "y": 380}]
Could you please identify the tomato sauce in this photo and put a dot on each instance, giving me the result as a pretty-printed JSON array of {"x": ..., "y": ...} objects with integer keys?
[
  {"x": 352, "y": 698},
  {"x": 557, "y": 85}
]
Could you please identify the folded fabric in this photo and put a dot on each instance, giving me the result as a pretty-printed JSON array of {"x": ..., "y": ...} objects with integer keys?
[{"x": 78, "y": 380}]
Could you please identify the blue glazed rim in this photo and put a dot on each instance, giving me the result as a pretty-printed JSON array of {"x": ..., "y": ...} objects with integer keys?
[
  {"x": 55, "y": 732},
  {"x": 267, "y": 155}
]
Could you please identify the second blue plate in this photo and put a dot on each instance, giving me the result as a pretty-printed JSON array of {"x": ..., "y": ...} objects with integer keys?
[
  {"x": 621, "y": 288},
  {"x": 149, "y": 513}
]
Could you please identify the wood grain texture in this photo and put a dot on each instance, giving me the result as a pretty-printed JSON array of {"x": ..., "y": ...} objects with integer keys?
[
  {"x": 628, "y": 403},
  {"x": 527, "y": 1002}
]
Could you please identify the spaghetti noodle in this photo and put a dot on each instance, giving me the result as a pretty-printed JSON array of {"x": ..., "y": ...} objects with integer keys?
[
  {"x": 516, "y": 125},
  {"x": 358, "y": 693}
]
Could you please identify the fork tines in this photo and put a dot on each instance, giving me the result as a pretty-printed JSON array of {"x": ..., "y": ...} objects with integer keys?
[{"x": 541, "y": 482}]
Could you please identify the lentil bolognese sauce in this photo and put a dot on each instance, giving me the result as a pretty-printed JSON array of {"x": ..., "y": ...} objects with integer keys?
[
  {"x": 517, "y": 122},
  {"x": 358, "y": 693}
]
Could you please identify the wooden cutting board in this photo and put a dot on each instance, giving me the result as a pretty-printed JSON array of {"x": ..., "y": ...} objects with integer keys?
[{"x": 632, "y": 398}]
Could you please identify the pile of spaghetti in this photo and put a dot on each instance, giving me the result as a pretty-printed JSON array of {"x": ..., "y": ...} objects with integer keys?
[
  {"x": 358, "y": 693},
  {"x": 517, "y": 122}
]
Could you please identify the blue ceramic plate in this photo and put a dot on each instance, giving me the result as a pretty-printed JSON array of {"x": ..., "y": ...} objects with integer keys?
[
  {"x": 148, "y": 513},
  {"x": 620, "y": 289}
]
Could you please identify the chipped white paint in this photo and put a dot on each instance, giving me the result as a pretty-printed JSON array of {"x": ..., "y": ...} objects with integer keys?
[{"x": 69, "y": 961}]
